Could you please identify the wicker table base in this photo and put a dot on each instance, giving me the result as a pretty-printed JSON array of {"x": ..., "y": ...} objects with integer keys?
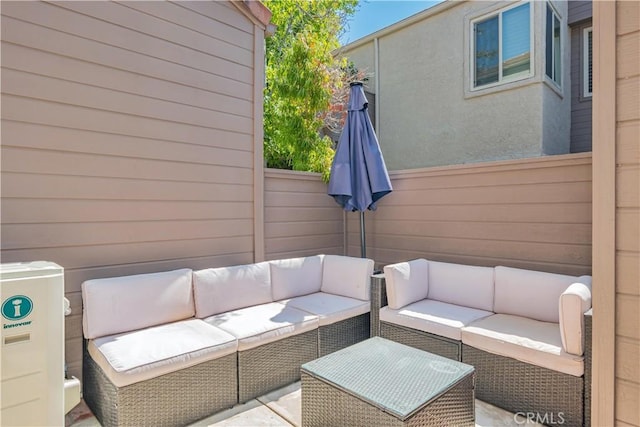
[{"x": 379, "y": 382}]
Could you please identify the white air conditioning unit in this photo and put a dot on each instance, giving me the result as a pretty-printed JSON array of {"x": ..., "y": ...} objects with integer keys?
[{"x": 32, "y": 296}]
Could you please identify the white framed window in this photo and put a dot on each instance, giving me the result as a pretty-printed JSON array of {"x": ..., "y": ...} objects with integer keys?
[
  {"x": 553, "y": 46},
  {"x": 501, "y": 46},
  {"x": 587, "y": 62}
]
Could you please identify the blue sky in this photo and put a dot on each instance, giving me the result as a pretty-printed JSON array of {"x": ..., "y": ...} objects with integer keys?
[{"x": 373, "y": 15}]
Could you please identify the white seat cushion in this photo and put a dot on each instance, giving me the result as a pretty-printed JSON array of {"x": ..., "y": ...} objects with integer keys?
[
  {"x": 127, "y": 303},
  {"x": 140, "y": 355},
  {"x": 262, "y": 324},
  {"x": 530, "y": 341},
  {"x": 347, "y": 276},
  {"x": 406, "y": 282},
  {"x": 435, "y": 317},
  {"x": 218, "y": 290},
  {"x": 465, "y": 285},
  {"x": 295, "y": 277},
  {"x": 328, "y": 307}
]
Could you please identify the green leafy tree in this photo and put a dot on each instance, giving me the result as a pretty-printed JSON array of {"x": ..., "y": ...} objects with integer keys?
[{"x": 302, "y": 75}]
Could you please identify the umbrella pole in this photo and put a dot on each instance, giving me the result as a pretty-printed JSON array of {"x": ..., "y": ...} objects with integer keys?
[{"x": 363, "y": 245}]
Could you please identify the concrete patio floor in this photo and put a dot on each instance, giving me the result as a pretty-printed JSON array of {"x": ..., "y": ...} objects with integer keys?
[{"x": 281, "y": 408}]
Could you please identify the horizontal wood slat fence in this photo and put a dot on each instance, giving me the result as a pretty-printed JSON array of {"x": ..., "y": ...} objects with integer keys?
[{"x": 530, "y": 213}]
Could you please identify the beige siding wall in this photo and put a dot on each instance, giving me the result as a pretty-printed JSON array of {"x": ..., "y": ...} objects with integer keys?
[
  {"x": 127, "y": 139},
  {"x": 300, "y": 218},
  {"x": 533, "y": 213},
  {"x": 627, "y": 264}
]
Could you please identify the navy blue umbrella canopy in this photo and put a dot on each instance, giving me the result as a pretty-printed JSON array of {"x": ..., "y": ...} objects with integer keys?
[{"x": 359, "y": 177}]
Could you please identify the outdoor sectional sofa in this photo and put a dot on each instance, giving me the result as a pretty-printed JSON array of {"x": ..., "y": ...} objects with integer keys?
[
  {"x": 170, "y": 348},
  {"x": 523, "y": 331}
]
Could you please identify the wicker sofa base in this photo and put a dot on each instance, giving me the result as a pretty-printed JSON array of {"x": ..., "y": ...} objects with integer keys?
[
  {"x": 547, "y": 396},
  {"x": 435, "y": 344},
  {"x": 270, "y": 366},
  {"x": 339, "y": 335},
  {"x": 588, "y": 331},
  {"x": 325, "y": 405},
  {"x": 174, "y": 399}
]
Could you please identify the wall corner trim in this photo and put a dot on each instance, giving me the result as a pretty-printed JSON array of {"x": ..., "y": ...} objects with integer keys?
[
  {"x": 258, "y": 145},
  {"x": 604, "y": 213}
]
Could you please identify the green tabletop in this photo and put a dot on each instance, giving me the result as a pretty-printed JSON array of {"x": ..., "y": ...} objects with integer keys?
[{"x": 394, "y": 377}]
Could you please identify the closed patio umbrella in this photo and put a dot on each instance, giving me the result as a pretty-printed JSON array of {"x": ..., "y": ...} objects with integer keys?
[{"x": 359, "y": 176}]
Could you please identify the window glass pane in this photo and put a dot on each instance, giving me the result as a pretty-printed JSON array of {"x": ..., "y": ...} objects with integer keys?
[
  {"x": 549, "y": 44},
  {"x": 486, "y": 54},
  {"x": 515, "y": 41},
  {"x": 590, "y": 62},
  {"x": 557, "y": 61}
]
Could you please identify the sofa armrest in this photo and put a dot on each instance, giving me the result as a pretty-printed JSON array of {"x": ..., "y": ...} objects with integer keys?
[
  {"x": 378, "y": 300},
  {"x": 407, "y": 282},
  {"x": 573, "y": 303}
]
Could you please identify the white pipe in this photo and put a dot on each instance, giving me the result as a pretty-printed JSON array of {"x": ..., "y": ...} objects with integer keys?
[{"x": 376, "y": 66}]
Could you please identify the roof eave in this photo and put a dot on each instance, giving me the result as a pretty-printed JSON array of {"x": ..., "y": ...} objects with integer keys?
[
  {"x": 420, "y": 16},
  {"x": 257, "y": 12}
]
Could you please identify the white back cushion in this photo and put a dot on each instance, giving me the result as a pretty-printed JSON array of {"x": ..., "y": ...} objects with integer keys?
[
  {"x": 466, "y": 285},
  {"x": 347, "y": 276},
  {"x": 127, "y": 303},
  {"x": 406, "y": 282},
  {"x": 295, "y": 277},
  {"x": 528, "y": 293},
  {"x": 217, "y": 290}
]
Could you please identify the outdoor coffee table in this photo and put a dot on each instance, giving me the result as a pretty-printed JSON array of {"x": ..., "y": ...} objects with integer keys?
[{"x": 378, "y": 382}]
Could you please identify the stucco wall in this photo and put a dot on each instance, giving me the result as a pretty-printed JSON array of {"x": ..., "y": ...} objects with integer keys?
[
  {"x": 556, "y": 101},
  {"x": 556, "y": 121},
  {"x": 428, "y": 115},
  {"x": 364, "y": 58}
]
